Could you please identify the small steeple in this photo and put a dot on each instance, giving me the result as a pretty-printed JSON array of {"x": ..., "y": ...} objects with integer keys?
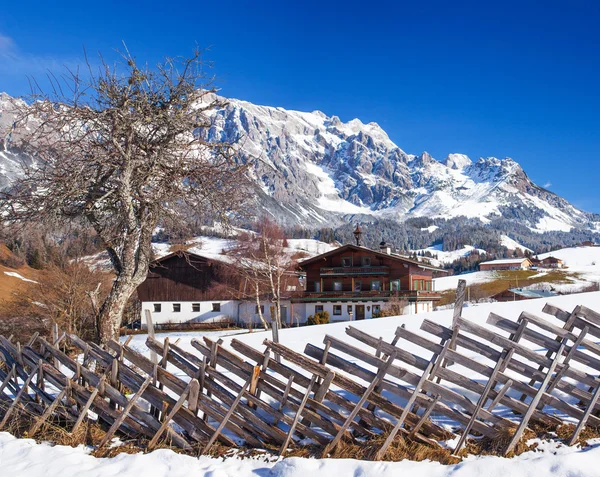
[{"x": 357, "y": 234}]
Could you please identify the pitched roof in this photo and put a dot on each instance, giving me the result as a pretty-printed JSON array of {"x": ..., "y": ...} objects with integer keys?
[
  {"x": 505, "y": 261},
  {"x": 377, "y": 254},
  {"x": 524, "y": 292}
]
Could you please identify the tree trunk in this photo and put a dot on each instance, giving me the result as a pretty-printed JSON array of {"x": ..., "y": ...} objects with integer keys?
[{"x": 111, "y": 312}]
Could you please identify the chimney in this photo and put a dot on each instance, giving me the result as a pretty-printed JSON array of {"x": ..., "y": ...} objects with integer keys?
[{"x": 385, "y": 248}]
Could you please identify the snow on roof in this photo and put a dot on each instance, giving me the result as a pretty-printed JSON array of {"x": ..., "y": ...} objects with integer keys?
[
  {"x": 533, "y": 293},
  {"x": 505, "y": 261}
]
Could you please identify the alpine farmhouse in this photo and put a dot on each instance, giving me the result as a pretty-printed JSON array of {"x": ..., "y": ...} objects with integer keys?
[{"x": 351, "y": 282}]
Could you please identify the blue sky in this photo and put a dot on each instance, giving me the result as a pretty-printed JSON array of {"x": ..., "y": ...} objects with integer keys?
[{"x": 518, "y": 79}]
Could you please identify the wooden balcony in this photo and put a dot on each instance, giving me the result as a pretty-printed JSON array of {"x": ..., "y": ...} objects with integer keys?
[
  {"x": 411, "y": 295},
  {"x": 354, "y": 271}
]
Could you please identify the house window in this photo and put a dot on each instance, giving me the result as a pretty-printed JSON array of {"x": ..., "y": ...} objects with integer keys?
[
  {"x": 157, "y": 307},
  {"x": 376, "y": 309},
  {"x": 318, "y": 308},
  {"x": 337, "y": 309},
  {"x": 395, "y": 285},
  {"x": 357, "y": 286},
  {"x": 347, "y": 261},
  {"x": 337, "y": 286},
  {"x": 375, "y": 285},
  {"x": 196, "y": 307},
  {"x": 318, "y": 287},
  {"x": 366, "y": 261},
  {"x": 262, "y": 309},
  {"x": 428, "y": 285},
  {"x": 216, "y": 307},
  {"x": 176, "y": 307}
]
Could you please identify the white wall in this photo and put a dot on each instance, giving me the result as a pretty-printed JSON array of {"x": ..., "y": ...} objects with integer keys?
[
  {"x": 238, "y": 311},
  {"x": 205, "y": 315}
]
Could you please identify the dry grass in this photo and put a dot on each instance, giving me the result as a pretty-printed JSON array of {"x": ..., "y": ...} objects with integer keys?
[
  {"x": 510, "y": 279},
  {"x": 91, "y": 433}
]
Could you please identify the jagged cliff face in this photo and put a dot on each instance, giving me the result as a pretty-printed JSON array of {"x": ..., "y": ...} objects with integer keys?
[
  {"x": 315, "y": 170},
  {"x": 322, "y": 169}
]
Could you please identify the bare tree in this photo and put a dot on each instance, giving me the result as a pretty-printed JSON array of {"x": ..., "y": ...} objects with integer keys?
[
  {"x": 123, "y": 148},
  {"x": 266, "y": 264}
]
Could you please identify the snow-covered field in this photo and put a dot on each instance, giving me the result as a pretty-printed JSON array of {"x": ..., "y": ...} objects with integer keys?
[
  {"x": 582, "y": 268},
  {"x": 23, "y": 457}
]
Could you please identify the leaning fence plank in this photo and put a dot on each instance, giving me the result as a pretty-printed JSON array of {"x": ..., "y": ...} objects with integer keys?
[
  {"x": 47, "y": 413},
  {"x": 481, "y": 402},
  {"x": 231, "y": 410},
  {"x": 586, "y": 415},
  {"x": 402, "y": 418},
  {"x": 125, "y": 412},
  {"x": 500, "y": 395},
  {"x": 424, "y": 416},
  {"x": 290, "y": 433},
  {"x": 380, "y": 375},
  {"x": 532, "y": 406},
  {"x": 9, "y": 376},
  {"x": 169, "y": 416},
  {"x": 83, "y": 412},
  {"x": 17, "y": 398}
]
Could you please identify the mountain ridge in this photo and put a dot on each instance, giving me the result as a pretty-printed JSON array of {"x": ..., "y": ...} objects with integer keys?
[{"x": 314, "y": 170}]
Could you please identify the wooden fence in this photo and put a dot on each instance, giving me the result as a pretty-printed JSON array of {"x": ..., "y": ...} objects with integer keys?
[{"x": 353, "y": 388}]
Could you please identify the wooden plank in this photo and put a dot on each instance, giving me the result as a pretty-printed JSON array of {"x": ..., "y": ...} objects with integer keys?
[
  {"x": 290, "y": 433},
  {"x": 480, "y": 403},
  {"x": 171, "y": 414},
  {"x": 11, "y": 374},
  {"x": 284, "y": 398},
  {"x": 500, "y": 395},
  {"x": 586, "y": 415},
  {"x": 193, "y": 396},
  {"x": 17, "y": 398},
  {"x": 424, "y": 416},
  {"x": 532, "y": 406},
  {"x": 39, "y": 422},
  {"x": 378, "y": 377},
  {"x": 108, "y": 436},
  {"x": 459, "y": 302},
  {"x": 83, "y": 411},
  {"x": 390, "y": 438},
  {"x": 232, "y": 408}
]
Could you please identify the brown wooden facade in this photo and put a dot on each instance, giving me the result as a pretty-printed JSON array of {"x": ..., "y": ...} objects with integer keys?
[
  {"x": 181, "y": 276},
  {"x": 355, "y": 272}
]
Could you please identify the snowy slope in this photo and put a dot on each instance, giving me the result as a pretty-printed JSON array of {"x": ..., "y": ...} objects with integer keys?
[
  {"x": 511, "y": 244},
  {"x": 442, "y": 258}
]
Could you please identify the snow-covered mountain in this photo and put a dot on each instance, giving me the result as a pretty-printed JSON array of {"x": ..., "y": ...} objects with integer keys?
[{"x": 315, "y": 170}]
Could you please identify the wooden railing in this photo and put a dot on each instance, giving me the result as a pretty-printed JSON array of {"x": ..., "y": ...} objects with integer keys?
[
  {"x": 329, "y": 271},
  {"x": 413, "y": 294}
]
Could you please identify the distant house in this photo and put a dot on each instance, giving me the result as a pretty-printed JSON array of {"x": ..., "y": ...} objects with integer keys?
[
  {"x": 551, "y": 262},
  {"x": 506, "y": 264},
  {"x": 518, "y": 294},
  {"x": 588, "y": 243}
]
